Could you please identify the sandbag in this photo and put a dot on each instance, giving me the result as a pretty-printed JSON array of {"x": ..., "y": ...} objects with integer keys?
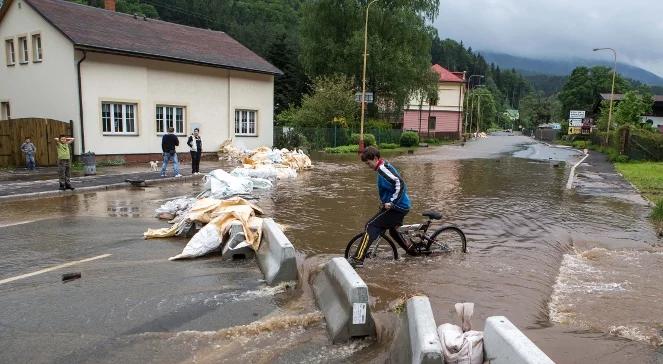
[
  {"x": 222, "y": 184},
  {"x": 206, "y": 240},
  {"x": 461, "y": 345}
]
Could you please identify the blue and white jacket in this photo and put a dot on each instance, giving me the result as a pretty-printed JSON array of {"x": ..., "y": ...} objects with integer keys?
[{"x": 391, "y": 186}]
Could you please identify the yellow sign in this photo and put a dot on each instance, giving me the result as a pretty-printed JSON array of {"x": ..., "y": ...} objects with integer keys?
[{"x": 575, "y": 130}]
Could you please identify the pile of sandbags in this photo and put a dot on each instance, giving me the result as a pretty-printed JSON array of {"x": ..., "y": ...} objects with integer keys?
[
  {"x": 217, "y": 216},
  {"x": 174, "y": 208},
  {"x": 264, "y": 162}
]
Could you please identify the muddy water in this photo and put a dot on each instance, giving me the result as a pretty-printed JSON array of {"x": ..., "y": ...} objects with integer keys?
[{"x": 579, "y": 274}]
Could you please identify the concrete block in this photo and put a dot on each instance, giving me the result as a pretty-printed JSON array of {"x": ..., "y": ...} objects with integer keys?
[
  {"x": 416, "y": 341},
  {"x": 343, "y": 298},
  {"x": 276, "y": 255},
  {"x": 503, "y": 343}
]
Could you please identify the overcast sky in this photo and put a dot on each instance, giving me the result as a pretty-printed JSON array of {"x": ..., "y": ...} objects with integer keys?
[{"x": 559, "y": 28}]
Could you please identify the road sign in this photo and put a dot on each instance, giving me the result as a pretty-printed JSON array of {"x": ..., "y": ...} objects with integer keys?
[
  {"x": 575, "y": 122},
  {"x": 574, "y": 130},
  {"x": 576, "y": 114}
]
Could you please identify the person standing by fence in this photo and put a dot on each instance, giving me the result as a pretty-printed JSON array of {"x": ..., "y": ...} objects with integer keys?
[
  {"x": 196, "y": 145},
  {"x": 64, "y": 161},
  {"x": 168, "y": 144},
  {"x": 29, "y": 150}
]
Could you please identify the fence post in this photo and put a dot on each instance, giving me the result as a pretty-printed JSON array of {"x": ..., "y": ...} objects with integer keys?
[{"x": 334, "y": 135}]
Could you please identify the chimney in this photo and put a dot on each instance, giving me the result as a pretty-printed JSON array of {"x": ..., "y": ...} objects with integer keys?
[{"x": 109, "y": 5}]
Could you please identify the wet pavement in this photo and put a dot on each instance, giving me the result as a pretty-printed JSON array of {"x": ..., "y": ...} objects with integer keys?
[{"x": 577, "y": 271}]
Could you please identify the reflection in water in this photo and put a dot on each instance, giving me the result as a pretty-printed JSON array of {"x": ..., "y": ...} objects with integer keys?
[{"x": 537, "y": 254}]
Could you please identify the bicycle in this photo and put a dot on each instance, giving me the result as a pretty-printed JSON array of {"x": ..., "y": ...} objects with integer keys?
[{"x": 448, "y": 238}]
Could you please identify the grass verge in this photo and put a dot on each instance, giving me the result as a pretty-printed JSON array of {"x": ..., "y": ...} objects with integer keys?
[
  {"x": 648, "y": 178},
  {"x": 346, "y": 149}
]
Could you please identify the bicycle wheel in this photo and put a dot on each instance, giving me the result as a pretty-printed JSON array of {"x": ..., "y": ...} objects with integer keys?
[
  {"x": 447, "y": 239},
  {"x": 382, "y": 248}
]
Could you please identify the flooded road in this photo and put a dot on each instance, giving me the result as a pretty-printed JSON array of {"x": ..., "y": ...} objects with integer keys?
[{"x": 580, "y": 274}]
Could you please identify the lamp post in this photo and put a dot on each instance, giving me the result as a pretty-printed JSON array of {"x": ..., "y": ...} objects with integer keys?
[
  {"x": 612, "y": 91},
  {"x": 363, "y": 81}
]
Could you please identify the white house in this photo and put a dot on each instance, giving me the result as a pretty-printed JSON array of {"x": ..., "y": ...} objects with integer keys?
[{"x": 124, "y": 79}]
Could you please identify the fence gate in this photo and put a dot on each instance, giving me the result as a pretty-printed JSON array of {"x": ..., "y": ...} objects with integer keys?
[{"x": 42, "y": 131}]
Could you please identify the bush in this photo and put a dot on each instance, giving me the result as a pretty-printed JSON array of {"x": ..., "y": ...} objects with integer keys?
[
  {"x": 621, "y": 159},
  {"x": 389, "y": 146},
  {"x": 369, "y": 139},
  {"x": 290, "y": 140},
  {"x": 432, "y": 141},
  {"x": 409, "y": 139},
  {"x": 343, "y": 149}
]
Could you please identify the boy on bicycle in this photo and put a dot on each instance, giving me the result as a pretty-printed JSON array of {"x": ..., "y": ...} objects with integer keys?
[{"x": 395, "y": 204}]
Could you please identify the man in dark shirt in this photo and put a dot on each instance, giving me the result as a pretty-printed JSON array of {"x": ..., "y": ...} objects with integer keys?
[{"x": 168, "y": 143}]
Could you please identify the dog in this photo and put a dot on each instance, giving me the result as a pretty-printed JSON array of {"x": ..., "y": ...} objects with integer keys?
[{"x": 154, "y": 165}]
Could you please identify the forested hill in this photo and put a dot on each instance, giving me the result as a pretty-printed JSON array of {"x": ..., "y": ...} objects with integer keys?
[{"x": 529, "y": 66}]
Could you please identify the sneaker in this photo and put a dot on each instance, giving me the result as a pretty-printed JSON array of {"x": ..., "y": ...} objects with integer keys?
[
  {"x": 178, "y": 175},
  {"x": 355, "y": 263}
]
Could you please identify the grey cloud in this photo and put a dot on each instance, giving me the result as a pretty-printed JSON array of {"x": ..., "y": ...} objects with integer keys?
[{"x": 559, "y": 29}]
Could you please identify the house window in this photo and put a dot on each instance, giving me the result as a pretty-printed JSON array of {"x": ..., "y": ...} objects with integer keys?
[
  {"x": 170, "y": 117},
  {"x": 118, "y": 118},
  {"x": 245, "y": 122},
  {"x": 36, "y": 48},
  {"x": 23, "y": 49},
  {"x": 10, "y": 52}
]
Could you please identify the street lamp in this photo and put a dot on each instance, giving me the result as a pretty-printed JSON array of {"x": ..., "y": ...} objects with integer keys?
[
  {"x": 469, "y": 80},
  {"x": 612, "y": 91},
  {"x": 363, "y": 81}
]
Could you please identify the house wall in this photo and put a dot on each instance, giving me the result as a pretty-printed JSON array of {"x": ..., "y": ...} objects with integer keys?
[
  {"x": 209, "y": 94},
  {"x": 445, "y": 121},
  {"x": 449, "y": 98},
  {"x": 46, "y": 89}
]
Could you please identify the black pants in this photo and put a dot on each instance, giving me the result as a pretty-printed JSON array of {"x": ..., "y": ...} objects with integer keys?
[
  {"x": 378, "y": 224},
  {"x": 195, "y": 161}
]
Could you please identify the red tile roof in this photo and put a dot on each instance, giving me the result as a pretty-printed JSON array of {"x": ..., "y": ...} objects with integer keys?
[
  {"x": 446, "y": 75},
  {"x": 107, "y": 31}
]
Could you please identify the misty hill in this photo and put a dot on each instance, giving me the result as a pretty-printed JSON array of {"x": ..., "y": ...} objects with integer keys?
[{"x": 530, "y": 66}]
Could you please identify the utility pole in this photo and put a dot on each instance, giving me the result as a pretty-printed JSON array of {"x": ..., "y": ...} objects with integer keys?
[{"x": 363, "y": 81}]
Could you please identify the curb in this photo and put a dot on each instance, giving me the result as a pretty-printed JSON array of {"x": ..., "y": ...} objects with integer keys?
[
  {"x": 78, "y": 190},
  {"x": 572, "y": 174}
]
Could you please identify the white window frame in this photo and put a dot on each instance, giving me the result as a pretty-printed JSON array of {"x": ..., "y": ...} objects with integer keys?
[
  {"x": 10, "y": 52},
  {"x": 243, "y": 122},
  {"x": 37, "y": 49},
  {"x": 23, "y": 50},
  {"x": 164, "y": 112},
  {"x": 5, "y": 110},
  {"x": 110, "y": 110}
]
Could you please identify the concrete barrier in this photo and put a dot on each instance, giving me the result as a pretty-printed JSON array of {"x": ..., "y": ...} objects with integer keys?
[
  {"x": 343, "y": 298},
  {"x": 503, "y": 343},
  {"x": 236, "y": 247},
  {"x": 276, "y": 255},
  {"x": 417, "y": 340}
]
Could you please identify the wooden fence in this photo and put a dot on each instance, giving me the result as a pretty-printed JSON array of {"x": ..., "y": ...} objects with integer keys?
[{"x": 42, "y": 132}]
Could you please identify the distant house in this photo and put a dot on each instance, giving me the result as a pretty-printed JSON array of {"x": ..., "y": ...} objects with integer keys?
[
  {"x": 441, "y": 117},
  {"x": 125, "y": 79},
  {"x": 656, "y": 117}
]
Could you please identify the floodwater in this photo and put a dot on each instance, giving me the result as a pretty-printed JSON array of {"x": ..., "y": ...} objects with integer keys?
[{"x": 579, "y": 274}]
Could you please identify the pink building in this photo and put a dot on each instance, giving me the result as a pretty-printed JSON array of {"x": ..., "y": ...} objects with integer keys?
[{"x": 443, "y": 117}]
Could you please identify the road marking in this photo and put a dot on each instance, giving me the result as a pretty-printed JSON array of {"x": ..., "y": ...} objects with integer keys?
[
  {"x": 53, "y": 268},
  {"x": 569, "y": 184}
]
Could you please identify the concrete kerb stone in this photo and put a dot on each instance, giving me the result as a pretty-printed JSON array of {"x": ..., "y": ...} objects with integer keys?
[
  {"x": 417, "y": 341},
  {"x": 342, "y": 297},
  {"x": 106, "y": 187},
  {"x": 504, "y": 344},
  {"x": 276, "y": 255}
]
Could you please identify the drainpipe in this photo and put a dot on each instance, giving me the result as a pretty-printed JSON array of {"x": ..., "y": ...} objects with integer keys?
[
  {"x": 80, "y": 102},
  {"x": 231, "y": 120}
]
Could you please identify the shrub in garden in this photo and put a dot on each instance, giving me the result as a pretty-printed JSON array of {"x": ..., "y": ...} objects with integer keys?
[
  {"x": 369, "y": 139},
  {"x": 388, "y": 146},
  {"x": 409, "y": 139}
]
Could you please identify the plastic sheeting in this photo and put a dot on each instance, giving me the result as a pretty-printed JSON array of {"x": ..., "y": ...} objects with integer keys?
[
  {"x": 461, "y": 345},
  {"x": 218, "y": 215}
]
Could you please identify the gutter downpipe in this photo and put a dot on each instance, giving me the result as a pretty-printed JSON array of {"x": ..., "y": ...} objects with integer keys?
[{"x": 80, "y": 102}]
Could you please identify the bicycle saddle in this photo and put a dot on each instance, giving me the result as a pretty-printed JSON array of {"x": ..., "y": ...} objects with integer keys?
[{"x": 433, "y": 215}]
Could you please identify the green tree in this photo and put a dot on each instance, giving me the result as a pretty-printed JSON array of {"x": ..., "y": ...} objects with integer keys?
[
  {"x": 582, "y": 90},
  {"x": 331, "y": 104},
  {"x": 630, "y": 109},
  {"x": 536, "y": 108},
  {"x": 481, "y": 110},
  {"x": 332, "y": 41}
]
